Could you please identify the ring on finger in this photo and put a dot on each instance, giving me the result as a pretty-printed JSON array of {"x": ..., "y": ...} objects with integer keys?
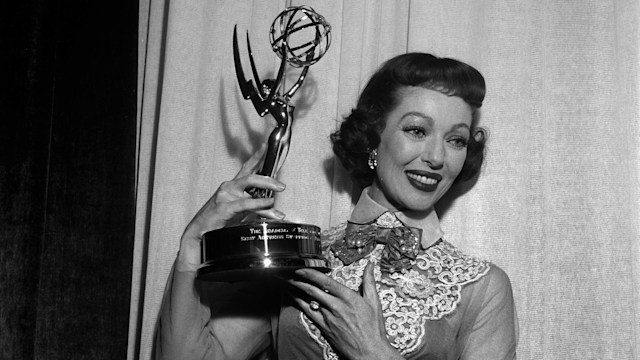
[{"x": 314, "y": 305}]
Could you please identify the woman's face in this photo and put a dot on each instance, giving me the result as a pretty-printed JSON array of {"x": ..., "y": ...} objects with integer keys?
[{"x": 422, "y": 149}]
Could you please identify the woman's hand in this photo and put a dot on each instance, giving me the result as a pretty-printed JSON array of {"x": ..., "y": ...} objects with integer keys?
[
  {"x": 229, "y": 204},
  {"x": 351, "y": 322}
]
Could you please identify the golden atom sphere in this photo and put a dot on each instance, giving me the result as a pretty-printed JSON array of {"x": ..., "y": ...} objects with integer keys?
[{"x": 301, "y": 33}]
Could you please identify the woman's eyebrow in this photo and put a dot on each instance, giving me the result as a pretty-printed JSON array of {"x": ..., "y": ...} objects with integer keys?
[
  {"x": 430, "y": 120},
  {"x": 460, "y": 125},
  {"x": 420, "y": 115}
]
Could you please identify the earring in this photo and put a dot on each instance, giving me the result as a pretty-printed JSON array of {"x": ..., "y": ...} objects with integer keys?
[{"x": 373, "y": 159}]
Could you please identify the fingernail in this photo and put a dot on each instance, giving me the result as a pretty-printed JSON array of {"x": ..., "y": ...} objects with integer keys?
[
  {"x": 279, "y": 214},
  {"x": 370, "y": 267},
  {"x": 280, "y": 186},
  {"x": 300, "y": 272}
]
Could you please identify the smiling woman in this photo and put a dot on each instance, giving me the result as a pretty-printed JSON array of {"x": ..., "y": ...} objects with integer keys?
[
  {"x": 396, "y": 288},
  {"x": 407, "y": 75}
]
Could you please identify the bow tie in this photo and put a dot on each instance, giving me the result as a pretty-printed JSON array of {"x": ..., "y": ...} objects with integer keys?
[{"x": 401, "y": 245}]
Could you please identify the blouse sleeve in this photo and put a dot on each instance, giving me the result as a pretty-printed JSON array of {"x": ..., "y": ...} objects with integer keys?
[
  {"x": 492, "y": 332},
  {"x": 210, "y": 320}
]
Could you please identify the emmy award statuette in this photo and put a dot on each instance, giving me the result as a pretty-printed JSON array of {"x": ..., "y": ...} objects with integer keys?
[{"x": 260, "y": 247}]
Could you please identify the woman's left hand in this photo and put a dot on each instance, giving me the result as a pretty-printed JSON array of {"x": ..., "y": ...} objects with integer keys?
[{"x": 351, "y": 322}]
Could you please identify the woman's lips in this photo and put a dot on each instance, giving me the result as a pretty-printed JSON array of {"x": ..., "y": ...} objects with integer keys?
[{"x": 423, "y": 180}]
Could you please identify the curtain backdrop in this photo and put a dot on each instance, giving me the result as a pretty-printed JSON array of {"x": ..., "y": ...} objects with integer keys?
[{"x": 556, "y": 206}]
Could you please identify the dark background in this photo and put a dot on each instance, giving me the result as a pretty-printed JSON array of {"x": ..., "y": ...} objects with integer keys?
[{"x": 68, "y": 72}]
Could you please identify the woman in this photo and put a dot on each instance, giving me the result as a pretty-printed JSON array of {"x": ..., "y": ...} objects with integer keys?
[{"x": 397, "y": 289}]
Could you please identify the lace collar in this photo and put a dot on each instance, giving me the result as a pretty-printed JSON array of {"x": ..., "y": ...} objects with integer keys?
[{"x": 368, "y": 210}]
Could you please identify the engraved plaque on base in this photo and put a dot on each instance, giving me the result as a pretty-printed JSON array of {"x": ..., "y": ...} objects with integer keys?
[{"x": 261, "y": 248}]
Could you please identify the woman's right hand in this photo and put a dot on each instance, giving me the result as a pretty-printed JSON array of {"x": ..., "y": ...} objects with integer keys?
[{"x": 230, "y": 203}]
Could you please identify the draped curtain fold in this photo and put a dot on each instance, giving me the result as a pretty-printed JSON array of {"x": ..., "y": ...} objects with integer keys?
[{"x": 557, "y": 204}]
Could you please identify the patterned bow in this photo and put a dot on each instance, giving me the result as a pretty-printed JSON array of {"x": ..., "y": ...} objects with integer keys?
[{"x": 401, "y": 245}]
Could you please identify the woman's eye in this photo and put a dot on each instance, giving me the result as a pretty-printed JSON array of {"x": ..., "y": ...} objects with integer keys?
[
  {"x": 458, "y": 142},
  {"x": 415, "y": 131}
]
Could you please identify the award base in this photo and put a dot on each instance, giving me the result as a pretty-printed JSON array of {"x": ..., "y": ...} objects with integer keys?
[{"x": 256, "y": 250}]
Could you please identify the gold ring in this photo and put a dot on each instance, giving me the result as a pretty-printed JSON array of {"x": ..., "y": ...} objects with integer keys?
[{"x": 314, "y": 305}]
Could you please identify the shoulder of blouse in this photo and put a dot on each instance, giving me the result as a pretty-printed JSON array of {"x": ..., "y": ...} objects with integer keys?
[
  {"x": 496, "y": 280},
  {"x": 492, "y": 291},
  {"x": 491, "y": 318}
]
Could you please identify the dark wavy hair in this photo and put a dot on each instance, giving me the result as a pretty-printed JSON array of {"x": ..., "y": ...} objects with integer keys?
[{"x": 360, "y": 132}]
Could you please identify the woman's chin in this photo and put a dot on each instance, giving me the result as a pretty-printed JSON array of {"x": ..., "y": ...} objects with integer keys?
[{"x": 417, "y": 205}]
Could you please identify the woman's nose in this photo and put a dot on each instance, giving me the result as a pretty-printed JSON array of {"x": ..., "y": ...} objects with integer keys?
[{"x": 433, "y": 154}]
